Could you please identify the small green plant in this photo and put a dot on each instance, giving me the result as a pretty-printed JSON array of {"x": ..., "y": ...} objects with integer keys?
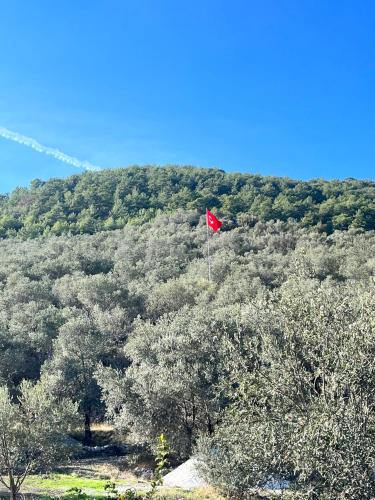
[
  {"x": 110, "y": 488},
  {"x": 129, "y": 494},
  {"x": 76, "y": 492},
  {"x": 162, "y": 462}
]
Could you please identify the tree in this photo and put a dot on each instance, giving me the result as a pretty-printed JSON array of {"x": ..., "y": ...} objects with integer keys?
[
  {"x": 170, "y": 386},
  {"x": 68, "y": 303},
  {"x": 303, "y": 395},
  {"x": 76, "y": 353},
  {"x": 33, "y": 432},
  {"x": 93, "y": 202}
]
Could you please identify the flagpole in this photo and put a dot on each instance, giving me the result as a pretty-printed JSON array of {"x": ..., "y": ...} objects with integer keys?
[{"x": 208, "y": 250}]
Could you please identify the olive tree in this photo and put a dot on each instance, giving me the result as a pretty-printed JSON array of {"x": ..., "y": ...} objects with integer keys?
[
  {"x": 170, "y": 386},
  {"x": 76, "y": 352},
  {"x": 33, "y": 432},
  {"x": 303, "y": 397}
]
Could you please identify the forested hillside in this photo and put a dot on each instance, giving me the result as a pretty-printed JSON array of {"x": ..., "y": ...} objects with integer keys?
[
  {"x": 126, "y": 324},
  {"x": 110, "y": 199},
  {"x": 267, "y": 369}
]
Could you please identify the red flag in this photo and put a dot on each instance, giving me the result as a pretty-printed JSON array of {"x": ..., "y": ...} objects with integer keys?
[{"x": 212, "y": 221}]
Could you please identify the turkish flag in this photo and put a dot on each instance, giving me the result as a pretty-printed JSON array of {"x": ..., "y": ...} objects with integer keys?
[{"x": 212, "y": 221}]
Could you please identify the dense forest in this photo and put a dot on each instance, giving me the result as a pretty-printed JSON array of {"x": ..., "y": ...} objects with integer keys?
[
  {"x": 266, "y": 370},
  {"x": 111, "y": 199}
]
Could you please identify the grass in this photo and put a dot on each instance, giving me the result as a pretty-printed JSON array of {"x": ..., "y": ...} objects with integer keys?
[
  {"x": 172, "y": 494},
  {"x": 71, "y": 497},
  {"x": 67, "y": 481},
  {"x": 196, "y": 494},
  {"x": 102, "y": 427},
  {"x": 103, "y": 433},
  {"x": 60, "y": 483}
]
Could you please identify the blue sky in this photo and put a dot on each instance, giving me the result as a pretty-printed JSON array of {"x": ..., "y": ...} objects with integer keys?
[{"x": 278, "y": 87}]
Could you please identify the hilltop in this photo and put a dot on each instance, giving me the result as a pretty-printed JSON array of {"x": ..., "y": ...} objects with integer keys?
[{"x": 110, "y": 199}]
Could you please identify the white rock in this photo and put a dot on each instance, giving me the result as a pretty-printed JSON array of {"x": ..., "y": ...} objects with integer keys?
[{"x": 185, "y": 476}]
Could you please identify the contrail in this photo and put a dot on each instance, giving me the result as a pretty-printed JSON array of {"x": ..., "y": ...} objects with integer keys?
[{"x": 32, "y": 143}]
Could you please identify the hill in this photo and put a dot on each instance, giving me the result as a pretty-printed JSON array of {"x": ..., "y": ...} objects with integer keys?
[
  {"x": 275, "y": 347},
  {"x": 96, "y": 201}
]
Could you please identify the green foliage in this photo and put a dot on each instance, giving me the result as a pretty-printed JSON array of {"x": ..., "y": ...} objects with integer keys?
[
  {"x": 110, "y": 488},
  {"x": 126, "y": 324},
  {"x": 77, "y": 493},
  {"x": 303, "y": 393},
  {"x": 110, "y": 199},
  {"x": 162, "y": 460},
  {"x": 171, "y": 383},
  {"x": 32, "y": 432},
  {"x": 129, "y": 494}
]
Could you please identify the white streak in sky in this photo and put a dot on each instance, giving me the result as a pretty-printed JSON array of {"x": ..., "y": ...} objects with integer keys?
[{"x": 32, "y": 143}]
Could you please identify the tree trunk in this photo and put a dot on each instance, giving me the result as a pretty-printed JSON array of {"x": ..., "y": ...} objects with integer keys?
[
  {"x": 87, "y": 441},
  {"x": 210, "y": 427},
  {"x": 12, "y": 487},
  {"x": 189, "y": 432},
  {"x": 13, "y": 493}
]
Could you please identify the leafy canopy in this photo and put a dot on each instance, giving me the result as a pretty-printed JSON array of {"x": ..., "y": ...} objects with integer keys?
[{"x": 110, "y": 199}]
